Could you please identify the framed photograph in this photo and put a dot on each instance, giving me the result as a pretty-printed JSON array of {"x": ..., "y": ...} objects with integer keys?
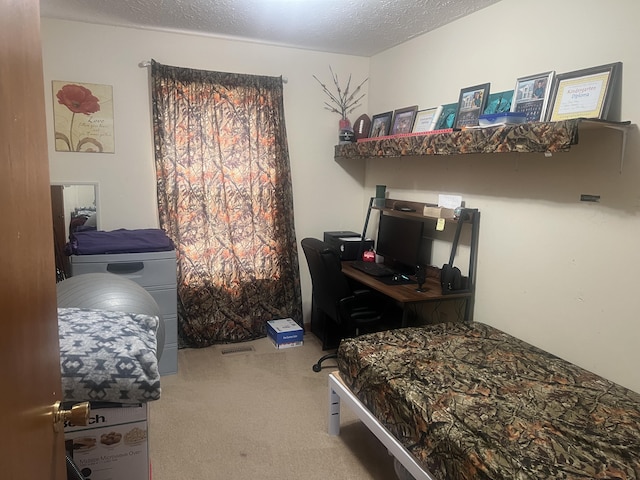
[
  {"x": 381, "y": 124},
  {"x": 426, "y": 120},
  {"x": 584, "y": 93},
  {"x": 531, "y": 96},
  {"x": 403, "y": 120},
  {"x": 447, "y": 116},
  {"x": 498, "y": 102},
  {"x": 471, "y": 104}
]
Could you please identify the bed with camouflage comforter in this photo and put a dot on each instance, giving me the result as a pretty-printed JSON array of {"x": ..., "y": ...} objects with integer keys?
[{"x": 468, "y": 401}]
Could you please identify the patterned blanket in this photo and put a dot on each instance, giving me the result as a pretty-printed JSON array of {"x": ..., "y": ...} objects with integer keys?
[
  {"x": 472, "y": 402},
  {"x": 108, "y": 356}
]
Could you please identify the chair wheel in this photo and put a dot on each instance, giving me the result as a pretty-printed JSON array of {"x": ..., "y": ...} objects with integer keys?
[{"x": 317, "y": 367}]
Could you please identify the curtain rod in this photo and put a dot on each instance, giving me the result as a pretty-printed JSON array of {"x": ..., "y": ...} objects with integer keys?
[{"x": 147, "y": 63}]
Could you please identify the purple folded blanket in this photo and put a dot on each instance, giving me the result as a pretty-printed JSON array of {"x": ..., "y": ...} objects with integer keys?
[{"x": 119, "y": 241}]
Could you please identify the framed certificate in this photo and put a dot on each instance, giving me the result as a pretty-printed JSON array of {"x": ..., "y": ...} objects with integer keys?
[
  {"x": 531, "y": 96},
  {"x": 584, "y": 93},
  {"x": 426, "y": 119}
]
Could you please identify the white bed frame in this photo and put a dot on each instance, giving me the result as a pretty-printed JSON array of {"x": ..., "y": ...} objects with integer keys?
[{"x": 339, "y": 391}]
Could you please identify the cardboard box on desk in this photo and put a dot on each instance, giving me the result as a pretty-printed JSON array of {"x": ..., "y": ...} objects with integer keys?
[
  {"x": 285, "y": 333},
  {"x": 439, "y": 212},
  {"x": 114, "y": 445}
]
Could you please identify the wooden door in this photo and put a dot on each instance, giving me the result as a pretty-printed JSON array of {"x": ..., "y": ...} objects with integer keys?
[{"x": 29, "y": 352}]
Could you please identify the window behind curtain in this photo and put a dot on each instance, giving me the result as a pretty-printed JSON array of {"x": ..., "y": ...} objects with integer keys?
[{"x": 225, "y": 198}]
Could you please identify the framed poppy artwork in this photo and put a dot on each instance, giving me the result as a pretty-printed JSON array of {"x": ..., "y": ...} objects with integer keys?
[{"x": 83, "y": 117}]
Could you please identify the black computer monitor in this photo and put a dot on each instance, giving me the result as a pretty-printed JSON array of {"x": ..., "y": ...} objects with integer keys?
[{"x": 399, "y": 241}]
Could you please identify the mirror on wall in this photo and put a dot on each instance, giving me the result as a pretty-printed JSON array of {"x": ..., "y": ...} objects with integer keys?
[{"x": 74, "y": 207}]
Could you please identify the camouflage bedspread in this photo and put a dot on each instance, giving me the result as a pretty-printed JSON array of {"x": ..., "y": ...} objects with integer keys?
[{"x": 472, "y": 402}]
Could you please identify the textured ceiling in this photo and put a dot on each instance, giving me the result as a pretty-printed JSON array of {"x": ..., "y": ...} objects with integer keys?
[{"x": 356, "y": 27}]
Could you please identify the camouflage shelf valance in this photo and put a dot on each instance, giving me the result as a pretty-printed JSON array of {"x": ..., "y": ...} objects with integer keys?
[{"x": 538, "y": 137}]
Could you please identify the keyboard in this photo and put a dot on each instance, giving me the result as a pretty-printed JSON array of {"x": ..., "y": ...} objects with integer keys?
[{"x": 373, "y": 269}]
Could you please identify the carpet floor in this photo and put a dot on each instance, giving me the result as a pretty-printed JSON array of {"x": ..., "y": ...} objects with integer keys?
[{"x": 256, "y": 414}]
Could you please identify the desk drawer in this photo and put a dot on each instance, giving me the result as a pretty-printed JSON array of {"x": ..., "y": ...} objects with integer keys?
[
  {"x": 166, "y": 298},
  {"x": 168, "y": 364},
  {"x": 146, "y": 269},
  {"x": 170, "y": 330},
  {"x": 156, "y": 272}
]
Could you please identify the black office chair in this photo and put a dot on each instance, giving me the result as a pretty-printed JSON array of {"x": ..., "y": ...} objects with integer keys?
[{"x": 352, "y": 311}]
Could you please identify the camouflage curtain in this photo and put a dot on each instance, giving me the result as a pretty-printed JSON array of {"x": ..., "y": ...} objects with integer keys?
[{"x": 225, "y": 198}]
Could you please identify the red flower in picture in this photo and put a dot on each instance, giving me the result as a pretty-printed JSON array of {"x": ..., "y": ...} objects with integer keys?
[{"x": 78, "y": 99}]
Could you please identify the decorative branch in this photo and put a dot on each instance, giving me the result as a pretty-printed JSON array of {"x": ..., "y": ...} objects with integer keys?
[{"x": 343, "y": 102}]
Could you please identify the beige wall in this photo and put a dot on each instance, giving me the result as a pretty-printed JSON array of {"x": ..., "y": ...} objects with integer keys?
[
  {"x": 326, "y": 196},
  {"x": 558, "y": 273}
]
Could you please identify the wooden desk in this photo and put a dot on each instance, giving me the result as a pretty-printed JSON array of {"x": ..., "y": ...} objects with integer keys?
[{"x": 407, "y": 295}]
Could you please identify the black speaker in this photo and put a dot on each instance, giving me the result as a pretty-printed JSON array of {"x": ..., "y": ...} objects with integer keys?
[
  {"x": 421, "y": 277},
  {"x": 450, "y": 279}
]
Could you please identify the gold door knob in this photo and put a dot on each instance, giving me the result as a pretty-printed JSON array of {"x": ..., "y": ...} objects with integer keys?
[{"x": 78, "y": 415}]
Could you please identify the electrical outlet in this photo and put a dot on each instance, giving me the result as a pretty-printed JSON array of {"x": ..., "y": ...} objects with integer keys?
[{"x": 589, "y": 198}]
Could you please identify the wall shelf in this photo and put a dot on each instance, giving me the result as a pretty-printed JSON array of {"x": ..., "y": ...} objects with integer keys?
[
  {"x": 537, "y": 137},
  {"x": 416, "y": 209}
]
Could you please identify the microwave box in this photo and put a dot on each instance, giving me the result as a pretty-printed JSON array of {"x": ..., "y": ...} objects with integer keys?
[
  {"x": 285, "y": 333},
  {"x": 439, "y": 212},
  {"x": 349, "y": 244},
  {"x": 114, "y": 446}
]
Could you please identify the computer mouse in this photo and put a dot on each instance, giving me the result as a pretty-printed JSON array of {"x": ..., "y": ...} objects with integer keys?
[{"x": 396, "y": 277}]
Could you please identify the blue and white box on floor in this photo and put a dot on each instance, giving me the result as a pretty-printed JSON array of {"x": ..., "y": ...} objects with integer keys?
[{"x": 285, "y": 333}]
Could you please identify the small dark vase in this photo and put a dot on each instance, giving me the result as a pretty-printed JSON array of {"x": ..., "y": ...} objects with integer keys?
[{"x": 346, "y": 134}]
